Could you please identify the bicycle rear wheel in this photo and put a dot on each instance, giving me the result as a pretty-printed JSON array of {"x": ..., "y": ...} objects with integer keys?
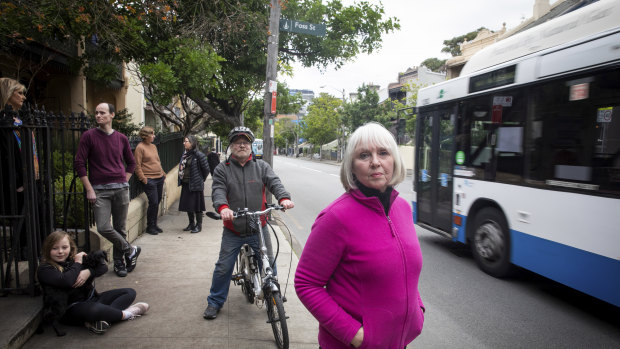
[{"x": 277, "y": 318}]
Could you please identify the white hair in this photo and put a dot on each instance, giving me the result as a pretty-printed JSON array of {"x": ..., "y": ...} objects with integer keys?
[{"x": 371, "y": 134}]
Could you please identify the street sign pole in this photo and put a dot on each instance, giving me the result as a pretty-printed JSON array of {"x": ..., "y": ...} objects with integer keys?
[{"x": 272, "y": 71}]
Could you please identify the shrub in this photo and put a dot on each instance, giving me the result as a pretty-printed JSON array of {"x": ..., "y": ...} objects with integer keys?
[{"x": 69, "y": 202}]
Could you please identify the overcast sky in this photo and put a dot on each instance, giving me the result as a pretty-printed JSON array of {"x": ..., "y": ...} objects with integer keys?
[{"x": 425, "y": 24}]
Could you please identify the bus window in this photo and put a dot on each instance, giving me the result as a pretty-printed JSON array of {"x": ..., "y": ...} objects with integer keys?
[
  {"x": 576, "y": 141},
  {"x": 492, "y": 131}
]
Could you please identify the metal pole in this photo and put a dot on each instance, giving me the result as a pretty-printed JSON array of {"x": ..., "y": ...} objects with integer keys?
[{"x": 272, "y": 72}]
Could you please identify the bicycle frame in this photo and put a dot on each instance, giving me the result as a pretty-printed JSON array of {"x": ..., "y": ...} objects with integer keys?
[{"x": 266, "y": 278}]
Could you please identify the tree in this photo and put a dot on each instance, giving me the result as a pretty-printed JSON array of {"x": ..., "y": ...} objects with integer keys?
[
  {"x": 286, "y": 132},
  {"x": 435, "y": 64},
  {"x": 320, "y": 125},
  {"x": 209, "y": 55},
  {"x": 365, "y": 109},
  {"x": 409, "y": 114},
  {"x": 453, "y": 46},
  {"x": 286, "y": 104}
]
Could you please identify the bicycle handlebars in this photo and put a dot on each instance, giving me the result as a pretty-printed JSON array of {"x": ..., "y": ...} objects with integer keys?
[{"x": 245, "y": 212}]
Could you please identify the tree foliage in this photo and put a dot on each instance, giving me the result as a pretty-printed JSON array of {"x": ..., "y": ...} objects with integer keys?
[
  {"x": 320, "y": 125},
  {"x": 435, "y": 64},
  {"x": 209, "y": 54},
  {"x": 286, "y": 132},
  {"x": 285, "y": 102},
  {"x": 408, "y": 111},
  {"x": 351, "y": 30},
  {"x": 365, "y": 109},
  {"x": 453, "y": 46}
]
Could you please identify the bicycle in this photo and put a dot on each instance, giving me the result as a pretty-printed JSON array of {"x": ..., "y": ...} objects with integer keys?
[{"x": 254, "y": 273}]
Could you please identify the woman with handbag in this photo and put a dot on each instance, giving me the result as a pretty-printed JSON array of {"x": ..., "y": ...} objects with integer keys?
[{"x": 69, "y": 292}]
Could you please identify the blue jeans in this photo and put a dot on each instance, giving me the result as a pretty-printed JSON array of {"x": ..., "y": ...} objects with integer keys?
[{"x": 229, "y": 250}]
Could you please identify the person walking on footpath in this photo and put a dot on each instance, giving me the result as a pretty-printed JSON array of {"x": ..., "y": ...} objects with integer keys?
[
  {"x": 193, "y": 171},
  {"x": 150, "y": 172},
  {"x": 70, "y": 297},
  {"x": 214, "y": 159},
  {"x": 240, "y": 182},
  {"x": 110, "y": 165},
  {"x": 359, "y": 270}
]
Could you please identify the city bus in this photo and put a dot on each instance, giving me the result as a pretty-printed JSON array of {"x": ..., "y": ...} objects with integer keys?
[
  {"x": 519, "y": 157},
  {"x": 257, "y": 148}
]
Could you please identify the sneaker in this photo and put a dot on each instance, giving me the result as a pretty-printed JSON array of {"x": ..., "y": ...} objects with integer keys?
[
  {"x": 119, "y": 268},
  {"x": 158, "y": 229},
  {"x": 211, "y": 312},
  {"x": 98, "y": 327},
  {"x": 132, "y": 258},
  {"x": 137, "y": 310}
]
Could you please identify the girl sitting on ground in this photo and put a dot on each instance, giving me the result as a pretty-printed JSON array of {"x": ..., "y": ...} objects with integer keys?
[{"x": 69, "y": 291}]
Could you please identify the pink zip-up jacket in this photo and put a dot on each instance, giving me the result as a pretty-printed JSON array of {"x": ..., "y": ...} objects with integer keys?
[{"x": 361, "y": 268}]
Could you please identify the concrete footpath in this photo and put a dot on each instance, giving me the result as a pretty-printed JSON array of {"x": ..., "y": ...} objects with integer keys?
[{"x": 174, "y": 275}]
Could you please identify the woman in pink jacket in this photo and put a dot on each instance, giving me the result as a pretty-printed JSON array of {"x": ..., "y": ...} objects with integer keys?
[{"x": 359, "y": 270}]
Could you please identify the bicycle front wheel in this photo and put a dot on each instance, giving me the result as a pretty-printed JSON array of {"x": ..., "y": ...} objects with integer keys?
[{"x": 277, "y": 318}]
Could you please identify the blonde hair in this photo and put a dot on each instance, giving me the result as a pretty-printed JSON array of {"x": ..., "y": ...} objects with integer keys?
[
  {"x": 366, "y": 135},
  {"x": 7, "y": 87},
  {"x": 52, "y": 240},
  {"x": 145, "y": 132}
]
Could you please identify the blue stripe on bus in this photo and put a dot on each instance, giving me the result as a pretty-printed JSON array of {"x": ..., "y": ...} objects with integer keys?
[{"x": 587, "y": 272}]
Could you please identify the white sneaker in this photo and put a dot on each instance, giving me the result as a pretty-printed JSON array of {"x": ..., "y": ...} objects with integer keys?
[
  {"x": 98, "y": 327},
  {"x": 137, "y": 310}
]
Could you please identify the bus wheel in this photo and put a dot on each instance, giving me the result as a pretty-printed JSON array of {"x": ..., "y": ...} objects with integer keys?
[{"x": 491, "y": 243}]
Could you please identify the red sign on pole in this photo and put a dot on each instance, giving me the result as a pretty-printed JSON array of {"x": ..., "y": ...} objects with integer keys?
[
  {"x": 273, "y": 102},
  {"x": 496, "y": 116}
]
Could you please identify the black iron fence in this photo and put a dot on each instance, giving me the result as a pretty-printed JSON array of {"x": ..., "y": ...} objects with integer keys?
[{"x": 41, "y": 192}]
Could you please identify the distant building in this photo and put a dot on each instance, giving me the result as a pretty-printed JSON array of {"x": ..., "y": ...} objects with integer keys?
[
  {"x": 421, "y": 76},
  {"x": 307, "y": 96},
  {"x": 542, "y": 12}
]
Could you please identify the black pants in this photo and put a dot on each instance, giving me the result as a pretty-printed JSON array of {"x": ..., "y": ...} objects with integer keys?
[
  {"x": 108, "y": 306},
  {"x": 153, "y": 189}
]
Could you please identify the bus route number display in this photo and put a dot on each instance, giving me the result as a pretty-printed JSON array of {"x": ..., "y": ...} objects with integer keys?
[{"x": 496, "y": 78}]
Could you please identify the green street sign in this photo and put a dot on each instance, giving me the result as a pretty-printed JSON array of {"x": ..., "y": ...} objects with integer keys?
[{"x": 294, "y": 26}]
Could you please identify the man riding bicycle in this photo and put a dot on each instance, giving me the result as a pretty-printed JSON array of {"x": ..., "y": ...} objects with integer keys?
[{"x": 239, "y": 183}]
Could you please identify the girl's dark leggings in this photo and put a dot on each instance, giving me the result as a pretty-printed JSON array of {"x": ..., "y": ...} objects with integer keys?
[{"x": 108, "y": 307}]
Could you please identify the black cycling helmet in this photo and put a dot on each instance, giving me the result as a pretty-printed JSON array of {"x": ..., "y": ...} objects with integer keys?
[{"x": 240, "y": 130}]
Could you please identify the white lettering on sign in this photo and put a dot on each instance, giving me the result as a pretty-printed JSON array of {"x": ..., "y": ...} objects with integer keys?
[{"x": 301, "y": 25}]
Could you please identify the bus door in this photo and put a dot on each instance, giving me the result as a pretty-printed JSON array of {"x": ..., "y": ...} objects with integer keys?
[{"x": 434, "y": 178}]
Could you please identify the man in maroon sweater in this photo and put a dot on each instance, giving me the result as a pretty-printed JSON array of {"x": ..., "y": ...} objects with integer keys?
[{"x": 110, "y": 165}]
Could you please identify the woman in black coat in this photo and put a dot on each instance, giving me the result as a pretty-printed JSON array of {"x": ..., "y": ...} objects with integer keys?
[{"x": 193, "y": 171}]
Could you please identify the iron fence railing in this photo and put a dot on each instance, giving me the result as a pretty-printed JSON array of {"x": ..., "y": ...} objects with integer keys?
[{"x": 38, "y": 156}]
